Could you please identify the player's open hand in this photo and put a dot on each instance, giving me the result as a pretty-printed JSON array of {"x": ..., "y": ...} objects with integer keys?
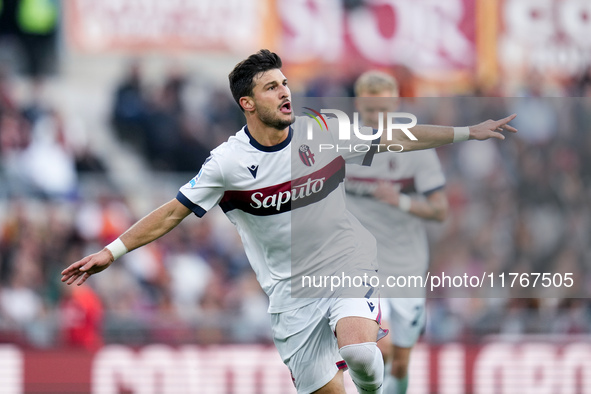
[
  {"x": 492, "y": 129},
  {"x": 387, "y": 193},
  {"x": 82, "y": 269}
]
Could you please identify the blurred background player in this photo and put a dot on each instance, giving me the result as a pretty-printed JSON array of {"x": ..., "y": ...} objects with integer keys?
[{"x": 412, "y": 184}]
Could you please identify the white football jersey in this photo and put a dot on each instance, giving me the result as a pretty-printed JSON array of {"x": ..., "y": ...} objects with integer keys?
[
  {"x": 288, "y": 203},
  {"x": 401, "y": 236}
]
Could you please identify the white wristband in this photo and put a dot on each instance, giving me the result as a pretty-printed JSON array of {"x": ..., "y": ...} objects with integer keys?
[
  {"x": 404, "y": 202},
  {"x": 461, "y": 134},
  {"x": 117, "y": 248}
]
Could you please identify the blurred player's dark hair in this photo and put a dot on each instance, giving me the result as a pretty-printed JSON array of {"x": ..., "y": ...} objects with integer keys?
[{"x": 242, "y": 76}]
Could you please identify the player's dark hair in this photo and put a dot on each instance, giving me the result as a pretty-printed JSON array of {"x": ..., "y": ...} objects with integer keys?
[{"x": 242, "y": 76}]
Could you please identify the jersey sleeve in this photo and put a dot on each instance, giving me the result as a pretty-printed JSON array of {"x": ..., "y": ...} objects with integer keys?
[
  {"x": 354, "y": 150},
  {"x": 205, "y": 190},
  {"x": 429, "y": 176}
]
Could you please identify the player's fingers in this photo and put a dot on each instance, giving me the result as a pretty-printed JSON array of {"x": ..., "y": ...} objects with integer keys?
[
  {"x": 88, "y": 265},
  {"x": 504, "y": 121},
  {"x": 379, "y": 186},
  {"x": 75, "y": 266},
  {"x": 69, "y": 272},
  {"x": 80, "y": 278},
  {"x": 509, "y": 128},
  {"x": 71, "y": 268},
  {"x": 384, "y": 189},
  {"x": 73, "y": 278},
  {"x": 83, "y": 278},
  {"x": 507, "y": 119},
  {"x": 497, "y": 135}
]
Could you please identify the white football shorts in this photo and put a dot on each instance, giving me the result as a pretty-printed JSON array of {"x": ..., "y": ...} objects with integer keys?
[
  {"x": 306, "y": 339},
  {"x": 406, "y": 317}
]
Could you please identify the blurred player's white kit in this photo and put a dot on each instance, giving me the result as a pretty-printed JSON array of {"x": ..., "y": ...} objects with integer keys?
[{"x": 403, "y": 248}]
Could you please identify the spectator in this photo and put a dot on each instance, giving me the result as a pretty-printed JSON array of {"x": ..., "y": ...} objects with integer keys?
[
  {"x": 81, "y": 314},
  {"x": 129, "y": 113}
]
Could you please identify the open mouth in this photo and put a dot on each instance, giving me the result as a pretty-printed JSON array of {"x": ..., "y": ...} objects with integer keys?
[{"x": 285, "y": 108}]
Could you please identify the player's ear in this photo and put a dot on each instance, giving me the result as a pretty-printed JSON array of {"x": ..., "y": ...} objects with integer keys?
[{"x": 247, "y": 103}]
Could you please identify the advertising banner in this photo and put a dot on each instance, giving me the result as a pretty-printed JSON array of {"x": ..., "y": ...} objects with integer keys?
[{"x": 533, "y": 364}]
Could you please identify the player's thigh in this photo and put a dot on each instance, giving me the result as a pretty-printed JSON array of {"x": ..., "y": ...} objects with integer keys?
[
  {"x": 308, "y": 347},
  {"x": 407, "y": 320},
  {"x": 351, "y": 330},
  {"x": 400, "y": 361},
  {"x": 335, "y": 386},
  {"x": 400, "y": 355},
  {"x": 355, "y": 320}
]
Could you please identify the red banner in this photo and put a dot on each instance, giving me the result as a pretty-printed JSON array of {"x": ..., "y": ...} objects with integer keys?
[
  {"x": 121, "y": 25},
  {"x": 545, "y": 35},
  {"x": 434, "y": 38},
  {"x": 536, "y": 365},
  {"x": 423, "y": 34}
]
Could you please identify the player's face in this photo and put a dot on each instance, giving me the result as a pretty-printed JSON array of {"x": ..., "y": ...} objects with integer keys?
[
  {"x": 370, "y": 105},
  {"x": 272, "y": 99}
]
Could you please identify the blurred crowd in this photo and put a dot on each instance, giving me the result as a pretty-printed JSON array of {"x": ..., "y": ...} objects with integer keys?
[
  {"x": 156, "y": 123},
  {"x": 522, "y": 205},
  {"x": 519, "y": 206}
]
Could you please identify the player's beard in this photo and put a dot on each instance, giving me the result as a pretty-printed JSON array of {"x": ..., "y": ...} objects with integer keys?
[{"x": 269, "y": 118}]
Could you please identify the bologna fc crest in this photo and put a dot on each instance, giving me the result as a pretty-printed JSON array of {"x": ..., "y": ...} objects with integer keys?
[{"x": 306, "y": 155}]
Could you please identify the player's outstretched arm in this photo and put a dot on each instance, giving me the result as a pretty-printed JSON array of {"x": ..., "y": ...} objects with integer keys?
[
  {"x": 434, "y": 207},
  {"x": 150, "y": 227},
  {"x": 433, "y": 136}
]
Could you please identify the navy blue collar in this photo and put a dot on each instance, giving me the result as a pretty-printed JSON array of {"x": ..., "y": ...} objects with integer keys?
[{"x": 273, "y": 148}]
